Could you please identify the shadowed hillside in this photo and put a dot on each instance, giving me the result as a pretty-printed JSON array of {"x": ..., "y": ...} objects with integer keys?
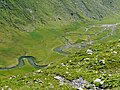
[{"x": 19, "y": 13}]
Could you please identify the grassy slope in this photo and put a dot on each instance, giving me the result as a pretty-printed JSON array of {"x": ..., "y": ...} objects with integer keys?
[
  {"x": 77, "y": 65},
  {"x": 49, "y": 23},
  {"x": 25, "y": 79},
  {"x": 17, "y": 16}
]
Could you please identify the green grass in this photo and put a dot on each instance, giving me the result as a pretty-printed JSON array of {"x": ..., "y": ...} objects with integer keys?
[
  {"x": 40, "y": 44},
  {"x": 76, "y": 65},
  {"x": 35, "y": 28}
]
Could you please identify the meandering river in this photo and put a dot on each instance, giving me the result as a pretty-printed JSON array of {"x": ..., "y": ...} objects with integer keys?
[
  {"x": 21, "y": 62},
  {"x": 60, "y": 49}
]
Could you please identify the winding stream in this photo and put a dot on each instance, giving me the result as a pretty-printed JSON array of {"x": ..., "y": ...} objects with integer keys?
[
  {"x": 21, "y": 62},
  {"x": 68, "y": 45}
]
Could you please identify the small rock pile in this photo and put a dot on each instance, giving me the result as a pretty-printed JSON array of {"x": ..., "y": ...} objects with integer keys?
[{"x": 79, "y": 84}]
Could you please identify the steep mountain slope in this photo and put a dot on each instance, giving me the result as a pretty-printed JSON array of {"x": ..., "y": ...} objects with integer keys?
[{"x": 20, "y": 12}]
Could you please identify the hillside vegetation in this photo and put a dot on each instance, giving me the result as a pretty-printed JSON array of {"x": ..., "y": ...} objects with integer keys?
[
  {"x": 78, "y": 39},
  {"x": 21, "y": 13}
]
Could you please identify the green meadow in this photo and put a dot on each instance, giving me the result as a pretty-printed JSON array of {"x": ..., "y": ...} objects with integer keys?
[{"x": 89, "y": 31}]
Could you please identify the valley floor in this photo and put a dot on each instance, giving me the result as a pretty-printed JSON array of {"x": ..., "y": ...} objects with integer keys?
[{"x": 80, "y": 57}]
